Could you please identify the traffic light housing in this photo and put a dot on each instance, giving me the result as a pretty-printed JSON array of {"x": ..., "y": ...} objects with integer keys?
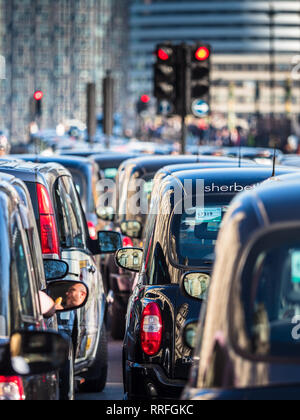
[
  {"x": 200, "y": 66},
  {"x": 165, "y": 70},
  {"x": 143, "y": 104},
  {"x": 38, "y": 103},
  {"x": 182, "y": 77}
]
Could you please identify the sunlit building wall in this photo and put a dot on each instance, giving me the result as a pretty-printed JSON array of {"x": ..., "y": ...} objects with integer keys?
[{"x": 242, "y": 34}]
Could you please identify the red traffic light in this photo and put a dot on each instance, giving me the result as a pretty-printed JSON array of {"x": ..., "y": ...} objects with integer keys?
[
  {"x": 145, "y": 99},
  {"x": 162, "y": 54},
  {"x": 38, "y": 95},
  {"x": 202, "y": 54}
]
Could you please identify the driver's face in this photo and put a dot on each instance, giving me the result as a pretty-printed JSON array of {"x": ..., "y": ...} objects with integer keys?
[{"x": 75, "y": 295}]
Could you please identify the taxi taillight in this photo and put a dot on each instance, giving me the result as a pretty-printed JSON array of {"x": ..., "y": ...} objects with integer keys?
[
  {"x": 151, "y": 329},
  {"x": 48, "y": 228}
]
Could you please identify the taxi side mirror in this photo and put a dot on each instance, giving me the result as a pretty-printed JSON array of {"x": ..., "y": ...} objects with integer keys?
[
  {"x": 130, "y": 259},
  {"x": 195, "y": 285},
  {"x": 133, "y": 229},
  {"x": 31, "y": 353},
  {"x": 68, "y": 295}
]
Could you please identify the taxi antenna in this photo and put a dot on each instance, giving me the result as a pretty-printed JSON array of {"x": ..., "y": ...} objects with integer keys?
[
  {"x": 274, "y": 163},
  {"x": 240, "y": 155}
]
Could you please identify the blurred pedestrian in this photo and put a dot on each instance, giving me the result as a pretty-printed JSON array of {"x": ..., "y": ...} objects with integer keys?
[{"x": 4, "y": 145}]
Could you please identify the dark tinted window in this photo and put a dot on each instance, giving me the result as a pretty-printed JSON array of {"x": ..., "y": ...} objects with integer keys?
[
  {"x": 70, "y": 224},
  {"x": 81, "y": 186},
  {"x": 31, "y": 186},
  {"x": 21, "y": 270},
  {"x": 158, "y": 270},
  {"x": 5, "y": 278}
]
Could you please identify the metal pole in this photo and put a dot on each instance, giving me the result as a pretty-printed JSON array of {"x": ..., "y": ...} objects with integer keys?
[
  {"x": 183, "y": 134},
  {"x": 182, "y": 56},
  {"x": 108, "y": 107},
  {"x": 91, "y": 111}
]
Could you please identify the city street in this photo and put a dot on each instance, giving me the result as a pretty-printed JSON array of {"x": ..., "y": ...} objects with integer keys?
[
  {"x": 114, "y": 387},
  {"x": 149, "y": 195}
]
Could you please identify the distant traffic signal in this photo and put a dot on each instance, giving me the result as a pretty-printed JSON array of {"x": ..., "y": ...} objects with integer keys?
[
  {"x": 182, "y": 78},
  {"x": 38, "y": 103},
  {"x": 145, "y": 99},
  {"x": 200, "y": 64},
  {"x": 165, "y": 73},
  {"x": 143, "y": 103},
  {"x": 202, "y": 53}
]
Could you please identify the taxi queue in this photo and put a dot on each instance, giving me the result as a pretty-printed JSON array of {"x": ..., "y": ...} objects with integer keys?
[{"x": 206, "y": 279}]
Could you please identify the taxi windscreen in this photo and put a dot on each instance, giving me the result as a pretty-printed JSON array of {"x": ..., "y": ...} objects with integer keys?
[{"x": 194, "y": 232}]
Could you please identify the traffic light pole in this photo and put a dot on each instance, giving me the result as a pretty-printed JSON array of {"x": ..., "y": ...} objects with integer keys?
[
  {"x": 91, "y": 112},
  {"x": 183, "y": 134},
  {"x": 183, "y": 77},
  {"x": 108, "y": 107}
]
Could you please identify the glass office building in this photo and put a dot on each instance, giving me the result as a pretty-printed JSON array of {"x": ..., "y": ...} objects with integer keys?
[
  {"x": 57, "y": 47},
  {"x": 253, "y": 41}
]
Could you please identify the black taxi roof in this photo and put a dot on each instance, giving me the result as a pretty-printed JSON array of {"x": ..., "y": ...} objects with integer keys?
[
  {"x": 273, "y": 202},
  {"x": 228, "y": 176},
  {"x": 32, "y": 172},
  {"x": 151, "y": 164}
]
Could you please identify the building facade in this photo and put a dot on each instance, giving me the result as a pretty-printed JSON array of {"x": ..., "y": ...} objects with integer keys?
[
  {"x": 57, "y": 47},
  {"x": 256, "y": 45}
]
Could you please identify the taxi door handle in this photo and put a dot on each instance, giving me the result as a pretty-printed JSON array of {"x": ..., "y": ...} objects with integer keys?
[{"x": 91, "y": 269}]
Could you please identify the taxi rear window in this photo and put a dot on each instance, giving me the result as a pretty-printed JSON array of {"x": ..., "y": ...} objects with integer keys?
[{"x": 194, "y": 232}]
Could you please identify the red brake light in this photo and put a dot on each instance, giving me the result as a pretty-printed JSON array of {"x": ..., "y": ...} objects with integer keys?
[
  {"x": 127, "y": 242},
  {"x": 92, "y": 230},
  {"x": 45, "y": 204},
  {"x": 49, "y": 235},
  {"x": 151, "y": 329},
  {"x": 11, "y": 388},
  {"x": 49, "y": 238}
]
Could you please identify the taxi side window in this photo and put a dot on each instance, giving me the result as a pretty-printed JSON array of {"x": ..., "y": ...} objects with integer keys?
[
  {"x": 70, "y": 223},
  {"x": 159, "y": 269},
  {"x": 20, "y": 266}
]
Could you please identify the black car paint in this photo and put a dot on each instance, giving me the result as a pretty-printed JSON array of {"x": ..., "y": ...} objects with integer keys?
[
  {"x": 37, "y": 387},
  {"x": 145, "y": 166},
  {"x": 47, "y": 175},
  {"x": 169, "y": 369},
  {"x": 83, "y": 167},
  {"x": 222, "y": 372}
]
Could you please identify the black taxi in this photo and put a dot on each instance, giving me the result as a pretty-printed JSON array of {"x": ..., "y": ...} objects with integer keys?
[
  {"x": 247, "y": 345},
  {"x": 134, "y": 184},
  {"x": 185, "y": 216},
  {"x": 137, "y": 176}
]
